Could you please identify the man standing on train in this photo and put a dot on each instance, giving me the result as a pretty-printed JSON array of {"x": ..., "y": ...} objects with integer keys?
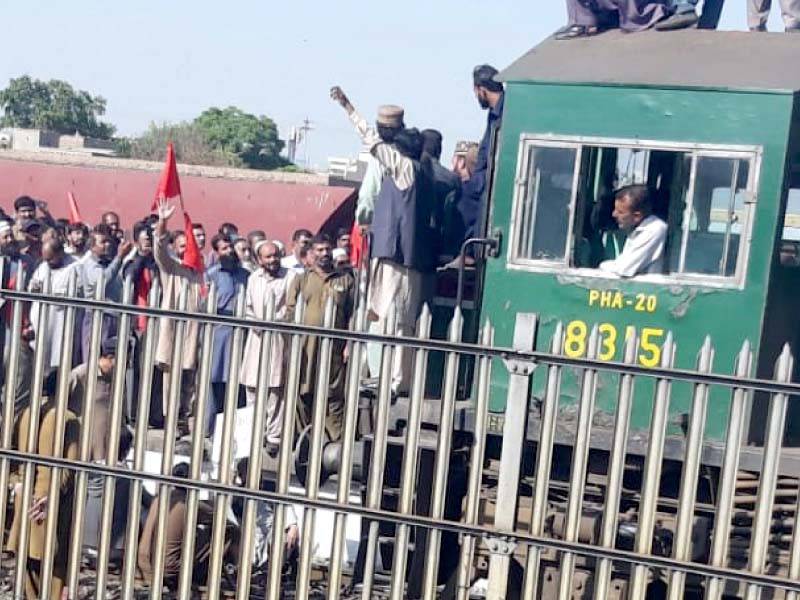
[
  {"x": 644, "y": 247},
  {"x": 490, "y": 96}
]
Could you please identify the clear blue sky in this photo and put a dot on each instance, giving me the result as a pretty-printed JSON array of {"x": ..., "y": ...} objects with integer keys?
[{"x": 166, "y": 61}]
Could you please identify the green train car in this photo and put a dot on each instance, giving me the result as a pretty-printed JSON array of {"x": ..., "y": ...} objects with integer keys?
[{"x": 710, "y": 121}]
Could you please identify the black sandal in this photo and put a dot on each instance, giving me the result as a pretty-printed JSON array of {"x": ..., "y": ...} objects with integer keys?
[{"x": 575, "y": 31}]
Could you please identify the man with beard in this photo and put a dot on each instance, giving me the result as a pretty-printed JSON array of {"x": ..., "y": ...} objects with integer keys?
[
  {"x": 228, "y": 277},
  {"x": 491, "y": 97},
  {"x": 99, "y": 262},
  {"x": 77, "y": 235},
  {"x": 317, "y": 284},
  {"x": 9, "y": 249},
  {"x": 388, "y": 124},
  {"x": 142, "y": 269},
  {"x": 173, "y": 274},
  {"x": 402, "y": 237},
  {"x": 268, "y": 282},
  {"x": 59, "y": 268}
]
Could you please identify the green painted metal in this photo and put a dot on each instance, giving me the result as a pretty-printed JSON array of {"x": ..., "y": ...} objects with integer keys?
[{"x": 690, "y": 312}]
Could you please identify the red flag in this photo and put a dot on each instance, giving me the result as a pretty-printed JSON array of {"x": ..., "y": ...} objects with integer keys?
[
  {"x": 192, "y": 257},
  {"x": 169, "y": 185},
  {"x": 74, "y": 213}
]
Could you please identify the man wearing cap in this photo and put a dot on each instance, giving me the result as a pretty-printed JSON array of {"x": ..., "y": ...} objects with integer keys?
[
  {"x": 491, "y": 97},
  {"x": 402, "y": 237},
  {"x": 388, "y": 123}
]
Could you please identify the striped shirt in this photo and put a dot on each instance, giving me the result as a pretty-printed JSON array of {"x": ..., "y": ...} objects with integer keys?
[{"x": 400, "y": 168}]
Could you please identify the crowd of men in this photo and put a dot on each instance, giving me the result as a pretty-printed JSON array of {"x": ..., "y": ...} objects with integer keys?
[{"x": 590, "y": 17}]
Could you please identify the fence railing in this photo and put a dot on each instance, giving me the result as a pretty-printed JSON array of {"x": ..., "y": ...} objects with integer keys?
[{"x": 395, "y": 505}]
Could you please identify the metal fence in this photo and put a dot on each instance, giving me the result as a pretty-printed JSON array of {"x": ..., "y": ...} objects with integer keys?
[{"x": 441, "y": 506}]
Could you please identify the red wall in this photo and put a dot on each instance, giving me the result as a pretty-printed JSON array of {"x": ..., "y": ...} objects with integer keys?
[{"x": 277, "y": 208}]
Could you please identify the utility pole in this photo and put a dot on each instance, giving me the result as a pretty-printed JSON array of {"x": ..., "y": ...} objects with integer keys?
[{"x": 303, "y": 136}]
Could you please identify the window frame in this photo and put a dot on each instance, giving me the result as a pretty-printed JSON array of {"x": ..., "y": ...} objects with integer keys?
[{"x": 528, "y": 141}]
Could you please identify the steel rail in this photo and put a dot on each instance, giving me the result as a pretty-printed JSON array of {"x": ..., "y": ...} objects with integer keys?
[
  {"x": 533, "y": 356},
  {"x": 580, "y": 548}
]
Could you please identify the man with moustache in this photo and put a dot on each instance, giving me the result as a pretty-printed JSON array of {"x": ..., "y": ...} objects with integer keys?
[
  {"x": 317, "y": 284},
  {"x": 267, "y": 284},
  {"x": 99, "y": 261},
  {"x": 228, "y": 276}
]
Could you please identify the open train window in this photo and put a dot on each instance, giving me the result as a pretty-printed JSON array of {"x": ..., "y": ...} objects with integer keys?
[
  {"x": 562, "y": 213},
  {"x": 790, "y": 240}
]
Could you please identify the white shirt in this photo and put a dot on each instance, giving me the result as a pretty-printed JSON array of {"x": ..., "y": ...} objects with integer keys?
[
  {"x": 291, "y": 263},
  {"x": 643, "y": 251}
]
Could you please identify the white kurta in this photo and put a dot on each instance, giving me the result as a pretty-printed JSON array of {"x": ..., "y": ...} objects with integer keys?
[
  {"x": 260, "y": 286},
  {"x": 643, "y": 251},
  {"x": 59, "y": 283}
]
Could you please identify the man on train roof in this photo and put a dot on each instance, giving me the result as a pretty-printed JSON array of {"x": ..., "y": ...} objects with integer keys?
[{"x": 644, "y": 247}]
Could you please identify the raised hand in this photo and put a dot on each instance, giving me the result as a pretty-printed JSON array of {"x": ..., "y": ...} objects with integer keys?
[
  {"x": 339, "y": 96},
  {"x": 164, "y": 209}
]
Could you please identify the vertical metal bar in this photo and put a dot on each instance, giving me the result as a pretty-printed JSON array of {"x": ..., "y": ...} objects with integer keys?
[
  {"x": 84, "y": 453},
  {"x": 285, "y": 456},
  {"x": 616, "y": 470},
  {"x": 687, "y": 213},
  {"x": 442, "y": 469},
  {"x": 729, "y": 221},
  {"x": 691, "y": 468},
  {"x": 762, "y": 521},
  {"x": 652, "y": 472},
  {"x": 514, "y": 430},
  {"x": 319, "y": 414},
  {"x": 9, "y": 397},
  {"x": 59, "y": 431},
  {"x": 345, "y": 474},
  {"x": 198, "y": 437},
  {"x": 472, "y": 502},
  {"x": 32, "y": 436},
  {"x": 580, "y": 459},
  {"x": 139, "y": 445},
  {"x": 254, "y": 466},
  {"x": 170, "y": 428},
  {"x": 544, "y": 460},
  {"x": 115, "y": 425},
  {"x": 378, "y": 458},
  {"x": 730, "y": 467},
  {"x": 225, "y": 470},
  {"x": 410, "y": 458}
]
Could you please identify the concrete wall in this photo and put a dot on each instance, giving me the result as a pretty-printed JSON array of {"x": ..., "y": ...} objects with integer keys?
[{"x": 278, "y": 203}]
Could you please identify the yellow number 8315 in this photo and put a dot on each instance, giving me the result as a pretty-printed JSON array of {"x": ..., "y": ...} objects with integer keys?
[{"x": 576, "y": 336}]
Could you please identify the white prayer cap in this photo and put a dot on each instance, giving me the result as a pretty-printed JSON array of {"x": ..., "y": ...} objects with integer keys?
[
  {"x": 5, "y": 226},
  {"x": 339, "y": 253}
]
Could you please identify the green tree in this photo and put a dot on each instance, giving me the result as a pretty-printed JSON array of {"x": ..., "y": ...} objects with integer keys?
[
  {"x": 54, "y": 105},
  {"x": 191, "y": 146},
  {"x": 253, "y": 140}
]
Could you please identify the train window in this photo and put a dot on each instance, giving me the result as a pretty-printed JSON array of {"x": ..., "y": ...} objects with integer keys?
[
  {"x": 544, "y": 209},
  {"x": 564, "y": 203},
  {"x": 712, "y": 221},
  {"x": 790, "y": 241}
]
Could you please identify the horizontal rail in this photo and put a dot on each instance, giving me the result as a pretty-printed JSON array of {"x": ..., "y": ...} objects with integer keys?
[
  {"x": 414, "y": 520},
  {"x": 533, "y": 356}
]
